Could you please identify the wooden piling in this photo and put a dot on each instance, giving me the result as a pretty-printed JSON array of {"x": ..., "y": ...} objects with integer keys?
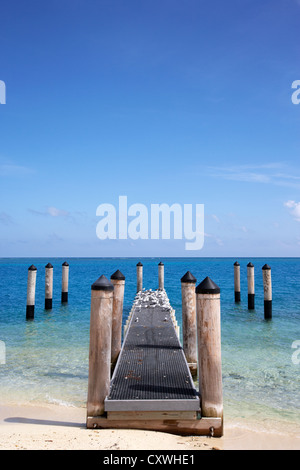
[
  {"x": 267, "y": 282},
  {"x": 65, "y": 283},
  {"x": 118, "y": 281},
  {"x": 139, "y": 277},
  {"x": 31, "y": 284},
  {"x": 237, "y": 282},
  {"x": 189, "y": 320},
  {"x": 209, "y": 348},
  {"x": 102, "y": 292},
  {"x": 48, "y": 286},
  {"x": 251, "y": 286},
  {"x": 161, "y": 276}
]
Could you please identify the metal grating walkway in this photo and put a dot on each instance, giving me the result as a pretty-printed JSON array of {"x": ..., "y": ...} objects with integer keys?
[{"x": 152, "y": 373}]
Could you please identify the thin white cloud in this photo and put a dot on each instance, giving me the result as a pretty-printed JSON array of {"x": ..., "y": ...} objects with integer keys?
[
  {"x": 287, "y": 176},
  {"x": 51, "y": 211},
  {"x": 5, "y": 219},
  {"x": 265, "y": 173},
  {"x": 216, "y": 239},
  {"x": 54, "y": 212},
  {"x": 216, "y": 218},
  {"x": 249, "y": 177},
  {"x": 294, "y": 209},
  {"x": 14, "y": 170},
  {"x": 54, "y": 238}
]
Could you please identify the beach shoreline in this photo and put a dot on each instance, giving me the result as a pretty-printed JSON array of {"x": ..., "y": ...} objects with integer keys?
[{"x": 57, "y": 427}]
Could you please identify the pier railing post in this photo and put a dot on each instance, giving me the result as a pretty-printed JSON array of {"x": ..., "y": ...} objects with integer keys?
[
  {"x": 267, "y": 282},
  {"x": 189, "y": 321},
  {"x": 161, "y": 276},
  {"x": 31, "y": 283},
  {"x": 102, "y": 292},
  {"x": 251, "y": 286},
  {"x": 139, "y": 277},
  {"x": 118, "y": 281},
  {"x": 237, "y": 282},
  {"x": 65, "y": 283},
  {"x": 48, "y": 286},
  {"x": 209, "y": 348}
]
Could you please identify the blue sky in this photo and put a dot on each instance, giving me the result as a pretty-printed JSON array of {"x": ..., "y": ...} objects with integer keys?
[{"x": 162, "y": 101}]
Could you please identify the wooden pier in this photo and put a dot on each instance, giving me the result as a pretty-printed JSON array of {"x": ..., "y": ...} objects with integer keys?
[{"x": 151, "y": 386}]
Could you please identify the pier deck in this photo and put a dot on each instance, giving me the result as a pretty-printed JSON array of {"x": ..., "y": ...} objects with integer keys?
[
  {"x": 151, "y": 386},
  {"x": 152, "y": 373}
]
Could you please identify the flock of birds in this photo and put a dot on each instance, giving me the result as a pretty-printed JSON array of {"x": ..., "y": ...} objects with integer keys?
[{"x": 152, "y": 298}]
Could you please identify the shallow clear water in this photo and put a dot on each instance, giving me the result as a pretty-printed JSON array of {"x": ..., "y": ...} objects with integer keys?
[{"x": 47, "y": 358}]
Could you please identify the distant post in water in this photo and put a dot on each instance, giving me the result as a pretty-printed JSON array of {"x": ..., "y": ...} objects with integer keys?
[
  {"x": 251, "y": 288},
  {"x": 267, "y": 281},
  {"x": 31, "y": 283},
  {"x": 189, "y": 320},
  {"x": 161, "y": 276},
  {"x": 48, "y": 286},
  {"x": 65, "y": 283},
  {"x": 102, "y": 292},
  {"x": 139, "y": 277},
  {"x": 237, "y": 282},
  {"x": 209, "y": 348},
  {"x": 118, "y": 281}
]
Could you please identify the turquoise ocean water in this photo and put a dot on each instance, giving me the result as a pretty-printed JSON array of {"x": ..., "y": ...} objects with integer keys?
[{"x": 46, "y": 359}]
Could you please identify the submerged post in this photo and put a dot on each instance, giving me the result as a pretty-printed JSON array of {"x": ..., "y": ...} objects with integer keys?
[
  {"x": 139, "y": 277},
  {"x": 237, "y": 282},
  {"x": 267, "y": 281},
  {"x": 102, "y": 292},
  {"x": 189, "y": 320},
  {"x": 209, "y": 348},
  {"x": 31, "y": 283},
  {"x": 161, "y": 276},
  {"x": 118, "y": 281},
  {"x": 65, "y": 283},
  {"x": 251, "y": 288},
  {"x": 48, "y": 286}
]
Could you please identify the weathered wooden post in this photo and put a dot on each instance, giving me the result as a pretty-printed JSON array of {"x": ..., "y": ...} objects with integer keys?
[
  {"x": 65, "y": 283},
  {"x": 139, "y": 277},
  {"x": 237, "y": 282},
  {"x": 31, "y": 283},
  {"x": 118, "y": 281},
  {"x": 48, "y": 286},
  {"x": 209, "y": 348},
  {"x": 267, "y": 281},
  {"x": 2, "y": 352},
  {"x": 251, "y": 286},
  {"x": 100, "y": 346},
  {"x": 189, "y": 320},
  {"x": 161, "y": 276}
]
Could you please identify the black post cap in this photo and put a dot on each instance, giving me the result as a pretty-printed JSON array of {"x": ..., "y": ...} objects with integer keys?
[
  {"x": 207, "y": 286},
  {"x": 49, "y": 265},
  {"x": 250, "y": 265},
  {"x": 139, "y": 264},
  {"x": 236, "y": 264},
  {"x": 118, "y": 276},
  {"x": 65, "y": 264},
  {"x": 266, "y": 266},
  {"x": 102, "y": 284},
  {"x": 160, "y": 264},
  {"x": 188, "y": 277},
  {"x": 32, "y": 268}
]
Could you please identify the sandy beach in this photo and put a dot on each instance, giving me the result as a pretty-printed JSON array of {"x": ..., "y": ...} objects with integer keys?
[{"x": 58, "y": 427}]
